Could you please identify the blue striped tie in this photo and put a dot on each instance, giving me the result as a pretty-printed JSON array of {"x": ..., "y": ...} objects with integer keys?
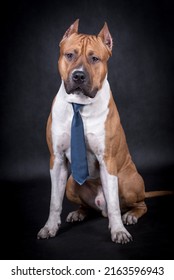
[{"x": 79, "y": 164}]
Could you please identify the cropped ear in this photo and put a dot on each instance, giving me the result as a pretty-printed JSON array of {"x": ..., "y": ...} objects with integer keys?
[
  {"x": 106, "y": 37},
  {"x": 72, "y": 29}
]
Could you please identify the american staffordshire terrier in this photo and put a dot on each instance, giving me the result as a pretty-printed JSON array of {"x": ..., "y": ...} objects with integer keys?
[{"x": 114, "y": 184}]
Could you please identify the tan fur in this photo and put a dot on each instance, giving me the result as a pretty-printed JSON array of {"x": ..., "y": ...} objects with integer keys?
[
  {"x": 49, "y": 140},
  {"x": 49, "y": 137},
  {"x": 82, "y": 45}
]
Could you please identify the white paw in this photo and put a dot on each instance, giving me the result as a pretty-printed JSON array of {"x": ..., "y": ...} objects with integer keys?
[
  {"x": 76, "y": 216},
  {"x": 121, "y": 236},
  {"x": 47, "y": 232},
  {"x": 129, "y": 219}
]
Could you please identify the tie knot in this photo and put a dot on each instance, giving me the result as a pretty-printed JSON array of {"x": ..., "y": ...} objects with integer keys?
[{"x": 76, "y": 107}]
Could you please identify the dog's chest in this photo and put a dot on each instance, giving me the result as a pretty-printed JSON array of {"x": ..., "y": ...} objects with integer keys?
[{"x": 93, "y": 115}]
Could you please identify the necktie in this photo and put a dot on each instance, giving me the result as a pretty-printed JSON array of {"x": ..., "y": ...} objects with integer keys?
[{"x": 79, "y": 165}]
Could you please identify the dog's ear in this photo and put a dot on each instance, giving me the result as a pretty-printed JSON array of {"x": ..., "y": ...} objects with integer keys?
[
  {"x": 106, "y": 37},
  {"x": 72, "y": 29}
]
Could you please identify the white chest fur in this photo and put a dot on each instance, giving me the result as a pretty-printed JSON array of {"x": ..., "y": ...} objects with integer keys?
[{"x": 93, "y": 113}]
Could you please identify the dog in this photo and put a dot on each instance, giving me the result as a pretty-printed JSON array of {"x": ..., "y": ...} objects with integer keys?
[{"x": 114, "y": 185}]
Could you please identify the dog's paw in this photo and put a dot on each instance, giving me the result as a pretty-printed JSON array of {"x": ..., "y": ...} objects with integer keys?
[
  {"x": 47, "y": 232},
  {"x": 122, "y": 236},
  {"x": 129, "y": 219},
  {"x": 76, "y": 216}
]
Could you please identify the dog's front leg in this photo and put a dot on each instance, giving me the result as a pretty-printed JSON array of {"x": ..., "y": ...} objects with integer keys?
[
  {"x": 119, "y": 234},
  {"x": 59, "y": 174}
]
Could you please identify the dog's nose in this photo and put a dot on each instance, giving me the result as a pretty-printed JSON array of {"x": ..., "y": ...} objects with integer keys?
[{"x": 79, "y": 77}]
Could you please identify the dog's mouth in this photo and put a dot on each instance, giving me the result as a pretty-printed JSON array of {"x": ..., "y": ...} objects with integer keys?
[
  {"x": 77, "y": 91},
  {"x": 81, "y": 90}
]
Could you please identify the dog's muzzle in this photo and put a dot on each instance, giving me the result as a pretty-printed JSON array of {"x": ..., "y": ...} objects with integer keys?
[{"x": 79, "y": 83}]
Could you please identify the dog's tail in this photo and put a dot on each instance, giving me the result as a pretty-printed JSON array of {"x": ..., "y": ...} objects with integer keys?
[{"x": 158, "y": 193}]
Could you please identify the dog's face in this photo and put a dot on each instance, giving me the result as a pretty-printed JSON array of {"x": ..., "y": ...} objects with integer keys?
[{"x": 83, "y": 60}]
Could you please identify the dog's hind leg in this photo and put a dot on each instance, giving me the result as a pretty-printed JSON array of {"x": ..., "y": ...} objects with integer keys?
[
  {"x": 78, "y": 215},
  {"x": 132, "y": 195},
  {"x": 132, "y": 216}
]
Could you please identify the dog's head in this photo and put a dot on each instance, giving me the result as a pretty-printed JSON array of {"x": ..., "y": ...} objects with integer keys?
[{"x": 83, "y": 60}]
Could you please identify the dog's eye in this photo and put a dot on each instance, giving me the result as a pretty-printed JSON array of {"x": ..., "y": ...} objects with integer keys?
[
  {"x": 69, "y": 56},
  {"x": 95, "y": 59}
]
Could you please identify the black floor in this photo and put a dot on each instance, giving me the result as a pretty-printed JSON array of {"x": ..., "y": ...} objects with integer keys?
[{"x": 24, "y": 209}]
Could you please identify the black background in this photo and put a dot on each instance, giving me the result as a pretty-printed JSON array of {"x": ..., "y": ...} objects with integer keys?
[{"x": 141, "y": 79}]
